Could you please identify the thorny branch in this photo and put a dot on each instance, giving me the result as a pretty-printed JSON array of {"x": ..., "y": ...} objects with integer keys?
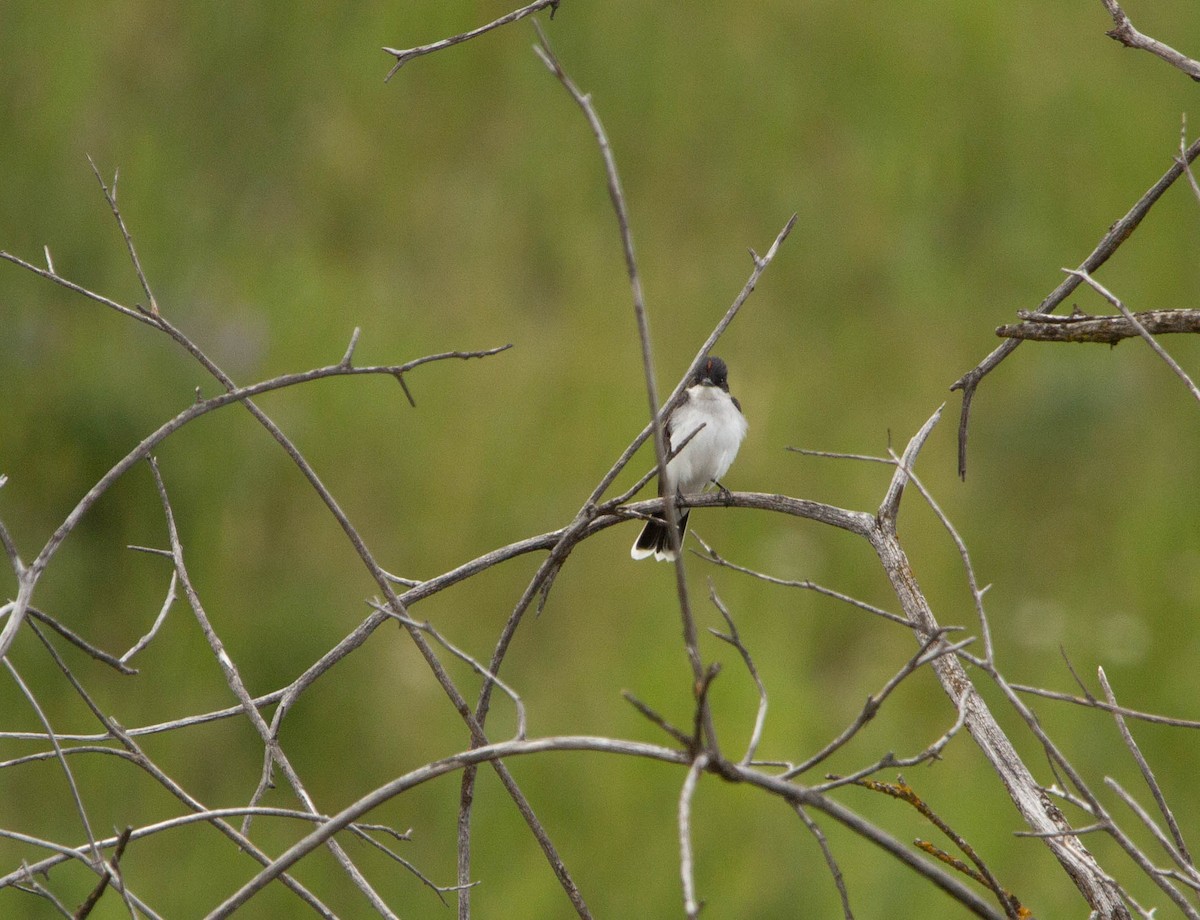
[{"x": 403, "y": 56}]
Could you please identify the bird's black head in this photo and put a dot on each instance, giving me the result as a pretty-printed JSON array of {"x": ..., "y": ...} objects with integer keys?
[{"x": 712, "y": 372}]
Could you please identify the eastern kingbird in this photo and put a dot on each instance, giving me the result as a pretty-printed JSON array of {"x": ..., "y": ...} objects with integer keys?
[{"x": 704, "y": 459}]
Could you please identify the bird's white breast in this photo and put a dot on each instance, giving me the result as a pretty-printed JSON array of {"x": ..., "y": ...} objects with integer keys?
[{"x": 708, "y": 455}]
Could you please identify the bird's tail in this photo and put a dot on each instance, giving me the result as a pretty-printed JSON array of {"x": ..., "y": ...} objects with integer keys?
[{"x": 655, "y": 539}]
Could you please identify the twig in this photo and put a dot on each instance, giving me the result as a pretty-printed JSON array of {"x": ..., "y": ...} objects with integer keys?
[
  {"x": 1181, "y": 852},
  {"x": 981, "y": 873},
  {"x": 158, "y": 621},
  {"x": 1124, "y": 32},
  {"x": 711, "y": 555},
  {"x": 33, "y": 886},
  {"x": 404, "y": 56},
  {"x": 71, "y": 784},
  {"x": 924, "y": 655},
  {"x": 80, "y": 643},
  {"x": 832, "y": 455},
  {"x": 1187, "y": 168},
  {"x": 427, "y": 628},
  {"x": 110, "y": 195},
  {"x": 977, "y": 592},
  {"x": 691, "y": 907},
  {"x": 682, "y": 737},
  {"x": 1192, "y": 879},
  {"x": 734, "y": 639},
  {"x": 1097, "y": 704},
  {"x": 834, "y": 869}
]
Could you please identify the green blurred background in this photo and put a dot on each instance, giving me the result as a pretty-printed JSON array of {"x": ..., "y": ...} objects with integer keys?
[{"x": 945, "y": 161}]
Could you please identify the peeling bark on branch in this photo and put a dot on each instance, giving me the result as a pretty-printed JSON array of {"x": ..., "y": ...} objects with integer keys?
[{"x": 1108, "y": 330}]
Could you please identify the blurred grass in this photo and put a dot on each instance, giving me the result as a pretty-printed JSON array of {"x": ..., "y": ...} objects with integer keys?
[{"x": 945, "y": 163}]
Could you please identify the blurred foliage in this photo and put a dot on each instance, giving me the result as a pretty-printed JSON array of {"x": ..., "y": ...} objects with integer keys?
[{"x": 945, "y": 160}]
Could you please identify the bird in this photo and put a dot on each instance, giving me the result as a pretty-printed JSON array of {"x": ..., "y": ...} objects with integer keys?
[{"x": 714, "y": 421}]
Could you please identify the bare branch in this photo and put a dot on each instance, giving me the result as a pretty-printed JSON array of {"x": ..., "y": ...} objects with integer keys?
[
  {"x": 960, "y": 544},
  {"x": 834, "y": 869},
  {"x": 147, "y": 445},
  {"x": 1097, "y": 704},
  {"x": 1091, "y": 805},
  {"x": 1140, "y": 329},
  {"x": 617, "y": 196},
  {"x": 711, "y": 555},
  {"x": 274, "y": 753},
  {"x": 71, "y": 784},
  {"x": 427, "y": 628},
  {"x": 924, "y": 655},
  {"x": 94, "y": 896},
  {"x": 158, "y": 621},
  {"x": 691, "y": 907},
  {"x": 832, "y": 455},
  {"x": 1181, "y": 850},
  {"x": 80, "y": 643},
  {"x": 110, "y": 195},
  {"x": 1117, "y": 234},
  {"x": 1098, "y": 889},
  {"x": 1124, "y": 32},
  {"x": 488, "y": 752},
  {"x": 682, "y": 737},
  {"x": 1107, "y": 330},
  {"x": 51, "y": 275},
  {"x": 890, "y": 507},
  {"x": 404, "y": 56},
  {"x": 734, "y": 639},
  {"x": 1192, "y": 878}
]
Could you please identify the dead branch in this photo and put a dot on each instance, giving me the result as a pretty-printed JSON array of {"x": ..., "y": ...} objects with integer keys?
[
  {"x": 404, "y": 56},
  {"x": 1124, "y": 32},
  {"x": 1117, "y": 234},
  {"x": 1106, "y": 330}
]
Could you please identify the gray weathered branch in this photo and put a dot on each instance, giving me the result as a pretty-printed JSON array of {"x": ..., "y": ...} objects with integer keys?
[{"x": 1107, "y": 330}]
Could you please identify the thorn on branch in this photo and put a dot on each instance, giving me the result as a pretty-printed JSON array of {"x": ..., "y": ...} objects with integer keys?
[
  {"x": 346, "y": 358},
  {"x": 399, "y": 375}
]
